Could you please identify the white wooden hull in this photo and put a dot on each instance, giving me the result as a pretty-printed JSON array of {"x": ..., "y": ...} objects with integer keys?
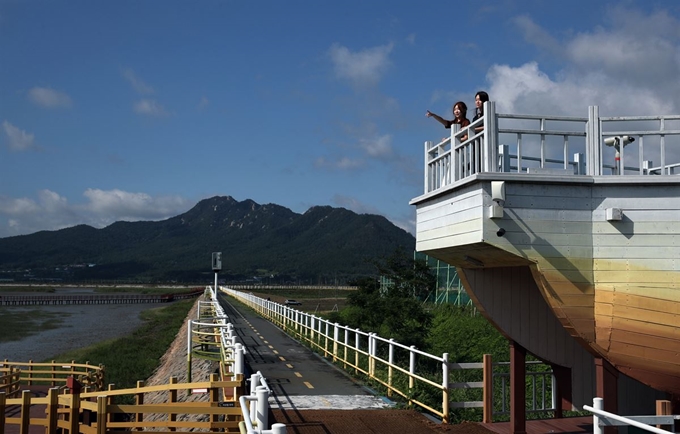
[{"x": 614, "y": 285}]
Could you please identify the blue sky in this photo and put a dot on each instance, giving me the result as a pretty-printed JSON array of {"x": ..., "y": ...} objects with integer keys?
[{"x": 136, "y": 110}]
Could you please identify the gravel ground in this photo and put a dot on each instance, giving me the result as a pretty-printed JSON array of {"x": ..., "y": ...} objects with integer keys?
[{"x": 82, "y": 325}]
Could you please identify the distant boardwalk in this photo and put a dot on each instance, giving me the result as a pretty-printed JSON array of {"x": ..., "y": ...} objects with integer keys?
[{"x": 53, "y": 300}]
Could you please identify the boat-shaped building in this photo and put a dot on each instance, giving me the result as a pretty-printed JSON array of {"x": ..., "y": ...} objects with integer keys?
[{"x": 566, "y": 234}]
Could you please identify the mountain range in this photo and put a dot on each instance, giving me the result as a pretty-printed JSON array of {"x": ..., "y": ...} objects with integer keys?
[{"x": 267, "y": 243}]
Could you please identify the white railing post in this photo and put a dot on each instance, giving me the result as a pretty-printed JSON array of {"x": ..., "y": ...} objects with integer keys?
[
  {"x": 262, "y": 416},
  {"x": 597, "y": 405},
  {"x": 254, "y": 383},
  {"x": 335, "y": 341},
  {"x": 371, "y": 344},
  {"x": 445, "y": 387},
  {"x": 594, "y": 142},
  {"x": 411, "y": 371},
  {"x": 389, "y": 367},
  {"x": 278, "y": 428},
  {"x": 426, "y": 171},
  {"x": 503, "y": 158},
  {"x": 490, "y": 152},
  {"x": 326, "y": 336},
  {"x": 238, "y": 359},
  {"x": 312, "y": 329},
  {"x": 580, "y": 161},
  {"x": 452, "y": 168},
  {"x": 344, "y": 358}
]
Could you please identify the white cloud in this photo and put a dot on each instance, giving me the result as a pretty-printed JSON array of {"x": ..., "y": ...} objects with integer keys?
[
  {"x": 630, "y": 67},
  {"x": 378, "y": 147},
  {"x": 341, "y": 163},
  {"x": 49, "y": 98},
  {"x": 536, "y": 35},
  {"x": 19, "y": 140},
  {"x": 21, "y": 206},
  {"x": 130, "y": 206},
  {"x": 149, "y": 107},
  {"x": 137, "y": 83},
  {"x": 365, "y": 67},
  {"x": 51, "y": 211}
]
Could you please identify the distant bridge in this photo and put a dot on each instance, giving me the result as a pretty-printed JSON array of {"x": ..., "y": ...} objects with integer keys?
[{"x": 59, "y": 299}]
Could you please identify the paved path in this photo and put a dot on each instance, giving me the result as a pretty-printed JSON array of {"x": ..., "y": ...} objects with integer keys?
[{"x": 299, "y": 379}]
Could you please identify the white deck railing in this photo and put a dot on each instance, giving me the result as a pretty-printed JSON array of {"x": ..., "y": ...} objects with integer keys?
[
  {"x": 603, "y": 418},
  {"x": 557, "y": 145}
]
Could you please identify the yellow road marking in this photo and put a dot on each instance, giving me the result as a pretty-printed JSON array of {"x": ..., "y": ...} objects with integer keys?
[
  {"x": 297, "y": 374},
  {"x": 282, "y": 358},
  {"x": 309, "y": 385}
]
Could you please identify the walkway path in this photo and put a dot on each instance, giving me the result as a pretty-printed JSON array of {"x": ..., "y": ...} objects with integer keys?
[{"x": 312, "y": 396}]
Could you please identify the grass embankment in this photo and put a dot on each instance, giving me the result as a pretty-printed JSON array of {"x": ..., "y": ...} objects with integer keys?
[{"x": 133, "y": 358}]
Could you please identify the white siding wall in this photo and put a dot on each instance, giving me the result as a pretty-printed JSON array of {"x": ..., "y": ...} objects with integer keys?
[{"x": 452, "y": 219}]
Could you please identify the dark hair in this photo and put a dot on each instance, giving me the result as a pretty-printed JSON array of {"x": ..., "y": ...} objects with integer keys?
[
  {"x": 483, "y": 97},
  {"x": 463, "y": 109}
]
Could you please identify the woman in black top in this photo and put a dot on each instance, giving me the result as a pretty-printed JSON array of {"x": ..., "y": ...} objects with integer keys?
[{"x": 480, "y": 98}]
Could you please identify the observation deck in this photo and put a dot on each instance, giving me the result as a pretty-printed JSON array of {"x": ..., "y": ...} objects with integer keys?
[{"x": 566, "y": 234}]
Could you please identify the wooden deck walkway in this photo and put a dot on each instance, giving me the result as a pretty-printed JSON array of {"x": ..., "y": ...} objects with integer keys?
[{"x": 567, "y": 425}]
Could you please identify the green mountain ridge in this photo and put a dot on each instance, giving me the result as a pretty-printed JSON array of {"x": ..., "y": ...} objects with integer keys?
[{"x": 268, "y": 241}]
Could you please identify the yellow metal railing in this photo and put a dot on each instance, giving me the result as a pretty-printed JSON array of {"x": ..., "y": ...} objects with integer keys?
[
  {"x": 96, "y": 413},
  {"x": 54, "y": 373}
]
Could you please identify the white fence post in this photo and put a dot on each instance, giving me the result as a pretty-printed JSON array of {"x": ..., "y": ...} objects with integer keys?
[
  {"x": 262, "y": 416},
  {"x": 411, "y": 371},
  {"x": 254, "y": 383},
  {"x": 335, "y": 341},
  {"x": 238, "y": 359},
  {"x": 445, "y": 387},
  {"x": 278, "y": 428},
  {"x": 389, "y": 368},
  {"x": 594, "y": 142},
  {"x": 426, "y": 170},
  {"x": 490, "y": 151},
  {"x": 597, "y": 405}
]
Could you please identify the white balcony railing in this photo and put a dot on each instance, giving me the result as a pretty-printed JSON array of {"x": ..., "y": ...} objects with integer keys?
[{"x": 562, "y": 145}]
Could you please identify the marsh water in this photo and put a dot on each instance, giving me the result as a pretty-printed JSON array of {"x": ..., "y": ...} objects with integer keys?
[{"x": 75, "y": 326}]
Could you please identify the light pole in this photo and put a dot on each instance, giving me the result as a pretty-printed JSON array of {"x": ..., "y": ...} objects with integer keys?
[{"x": 216, "y": 266}]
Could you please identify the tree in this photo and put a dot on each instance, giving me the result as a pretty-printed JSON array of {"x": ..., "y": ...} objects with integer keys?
[{"x": 393, "y": 310}]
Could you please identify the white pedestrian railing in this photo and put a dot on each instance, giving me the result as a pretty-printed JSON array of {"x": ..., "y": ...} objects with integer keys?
[
  {"x": 403, "y": 370},
  {"x": 555, "y": 145},
  {"x": 603, "y": 418},
  {"x": 212, "y": 336},
  {"x": 255, "y": 408}
]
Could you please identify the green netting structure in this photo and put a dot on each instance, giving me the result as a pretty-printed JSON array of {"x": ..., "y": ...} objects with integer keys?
[{"x": 449, "y": 287}]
